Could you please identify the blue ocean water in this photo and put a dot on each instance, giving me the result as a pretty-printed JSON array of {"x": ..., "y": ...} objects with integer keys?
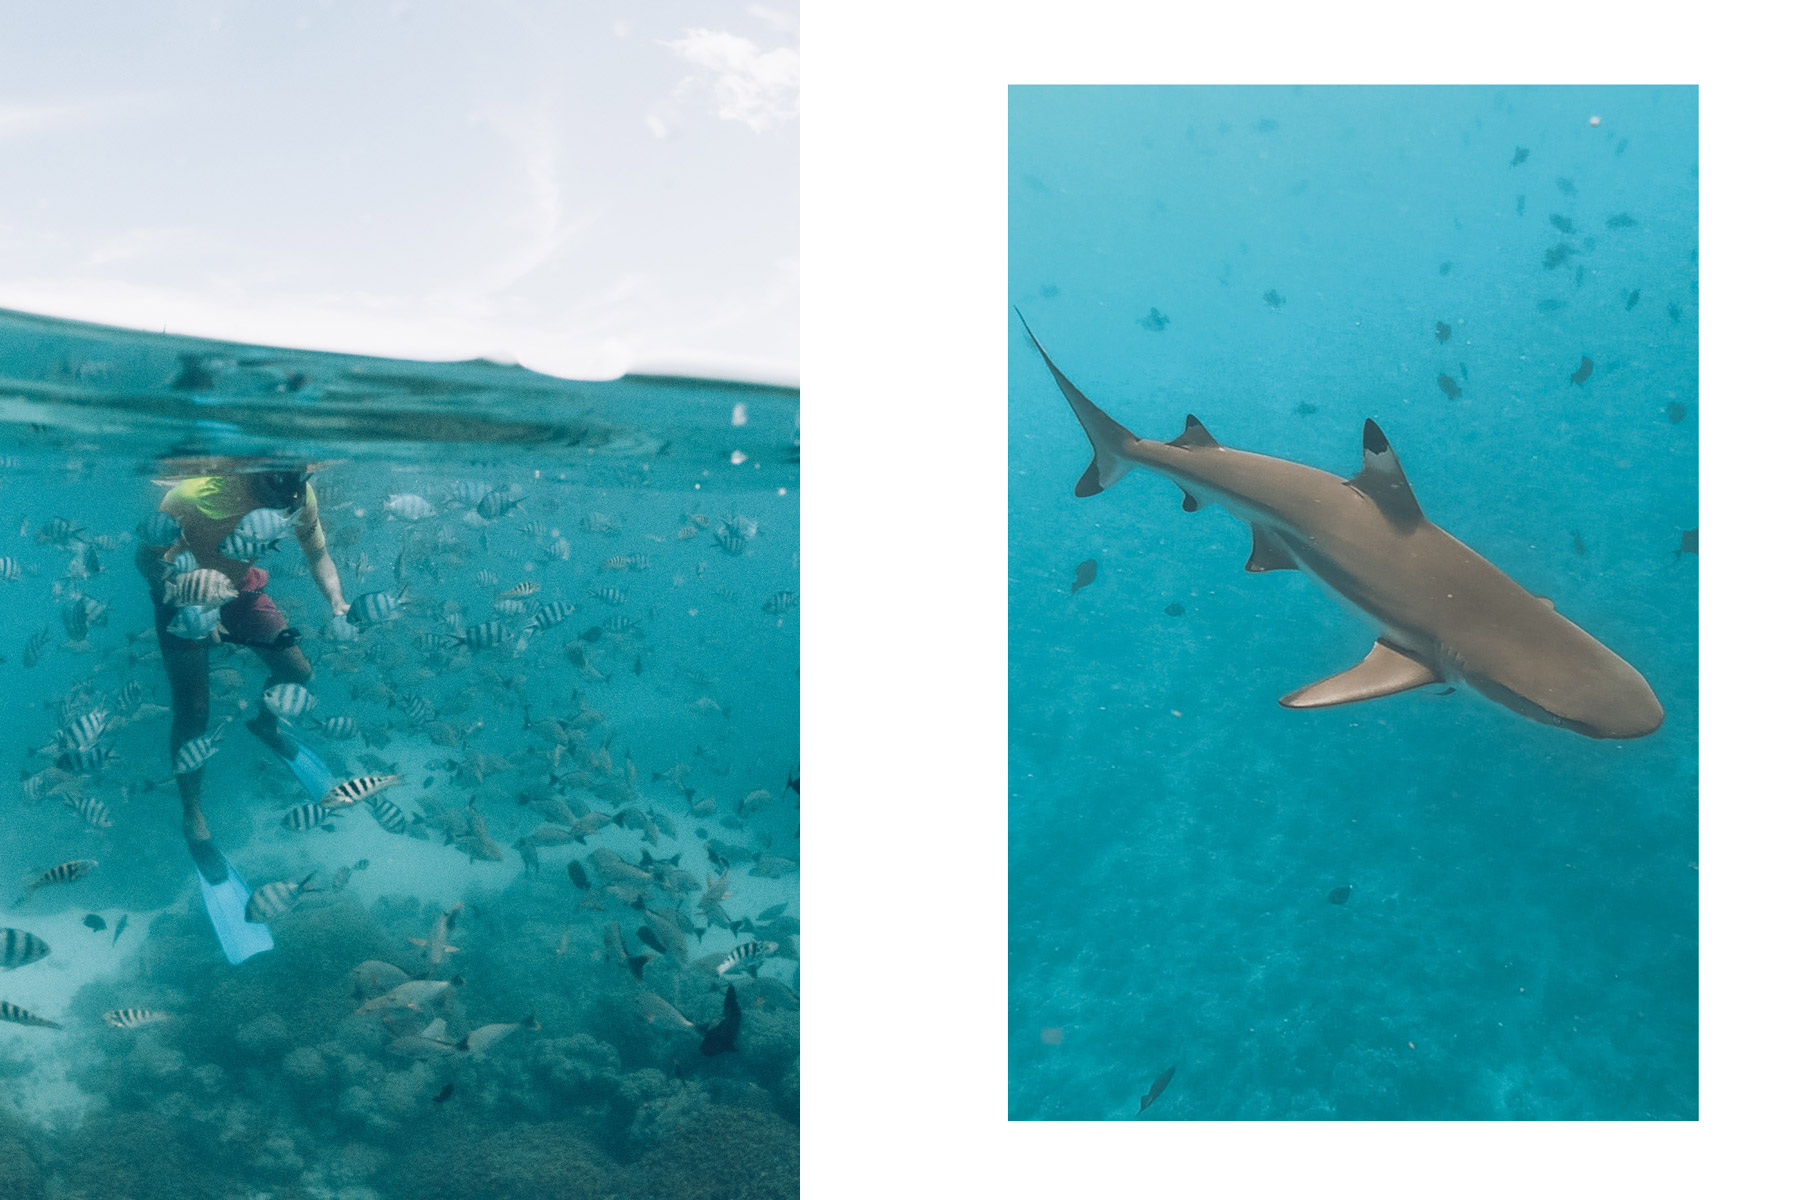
[
  {"x": 630, "y": 765},
  {"x": 1519, "y": 937}
]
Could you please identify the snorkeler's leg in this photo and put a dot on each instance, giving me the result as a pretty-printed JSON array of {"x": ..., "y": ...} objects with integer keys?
[
  {"x": 185, "y": 662},
  {"x": 286, "y": 665}
]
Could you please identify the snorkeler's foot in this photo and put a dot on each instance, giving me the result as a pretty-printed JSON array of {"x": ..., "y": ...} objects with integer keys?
[
  {"x": 213, "y": 867},
  {"x": 264, "y": 727}
]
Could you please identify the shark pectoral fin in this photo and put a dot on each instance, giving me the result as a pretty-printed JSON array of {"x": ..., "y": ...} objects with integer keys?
[
  {"x": 1384, "y": 672},
  {"x": 1267, "y": 553},
  {"x": 1548, "y": 603},
  {"x": 1188, "y": 502},
  {"x": 1382, "y": 480}
]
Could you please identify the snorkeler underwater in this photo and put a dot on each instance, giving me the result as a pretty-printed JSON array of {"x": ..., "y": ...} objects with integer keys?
[
  {"x": 408, "y": 777},
  {"x": 1259, "y": 868}
]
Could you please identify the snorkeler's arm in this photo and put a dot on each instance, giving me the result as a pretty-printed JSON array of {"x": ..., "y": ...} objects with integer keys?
[{"x": 311, "y": 534}]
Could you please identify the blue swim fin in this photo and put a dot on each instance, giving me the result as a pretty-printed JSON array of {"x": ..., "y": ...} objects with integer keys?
[
  {"x": 226, "y": 896},
  {"x": 308, "y": 766}
]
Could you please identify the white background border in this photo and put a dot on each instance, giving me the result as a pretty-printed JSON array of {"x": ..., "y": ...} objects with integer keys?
[{"x": 904, "y": 644}]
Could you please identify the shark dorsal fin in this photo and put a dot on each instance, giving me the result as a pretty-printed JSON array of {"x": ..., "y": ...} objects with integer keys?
[
  {"x": 1382, "y": 480},
  {"x": 1194, "y": 437},
  {"x": 1267, "y": 553},
  {"x": 1384, "y": 672}
]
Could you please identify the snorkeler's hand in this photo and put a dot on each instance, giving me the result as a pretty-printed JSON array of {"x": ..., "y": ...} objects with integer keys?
[{"x": 339, "y": 607}]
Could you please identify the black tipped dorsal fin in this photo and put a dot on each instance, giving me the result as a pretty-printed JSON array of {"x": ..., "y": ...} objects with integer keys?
[
  {"x": 1382, "y": 480},
  {"x": 1195, "y": 436}
]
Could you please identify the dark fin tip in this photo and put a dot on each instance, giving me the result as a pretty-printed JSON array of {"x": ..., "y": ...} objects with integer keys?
[
  {"x": 1089, "y": 483},
  {"x": 1188, "y": 503},
  {"x": 1192, "y": 420},
  {"x": 1374, "y": 441}
]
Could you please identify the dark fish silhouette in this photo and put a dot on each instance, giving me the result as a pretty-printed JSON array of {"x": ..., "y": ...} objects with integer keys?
[
  {"x": 1583, "y": 372},
  {"x": 723, "y": 1036},
  {"x": 1520, "y": 154},
  {"x": 1690, "y": 543},
  {"x": 1156, "y": 1089},
  {"x": 1449, "y": 387},
  {"x": 120, "y": 927},
  {"x": 1550, "y": 304},
  {"x": 1443, "y": 332},
  {"x": 1579, "y": 546},
  {"x": 1620, "y": 148},
  {"x": 1621, "y": 221},
  {"x": 647, "y": 936},
  {"x": 1156, "y": 322},
  {"x": 1049, "y": 291},
  {"x": 1444, "y": 267},
  {"x": 1464, "y": 367},
  {"x": 1674, "y": 311},
  {"x": 793, "y": 783},
  {"x": 429, "y": 780},
  {"x": 1174, "y": 610},
  {"x": 1303, "y": 409},
  {"x": 1565, "y": 186},
  {"x": 95, "y": 922},
  {"x": 1339, "y": 894},
  {"x": 194, "y": 377},
  {"x": 577, "y": 876},
  {"x": 1563, "y": 223},
  {"x": 1677, "y": 412},
  {"x": 1267, "y": 125},
  {"x": 1520, "y": 205},
  {"x": 444, "y": 1093},
  {"x": 1084, "y": 574},
  {"x": 1273, "y": 298},
  {"x": 1557, "y": 255},
  {"x": 1631, "y": 300}
]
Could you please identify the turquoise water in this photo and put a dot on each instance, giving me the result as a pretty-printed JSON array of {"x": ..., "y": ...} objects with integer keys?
[
  {"x": 1519, "y": 938},
  {"x": 665, "y": 511}
]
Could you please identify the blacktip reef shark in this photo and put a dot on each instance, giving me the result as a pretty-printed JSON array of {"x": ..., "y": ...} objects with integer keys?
[{"x": 1443, "y": 614}]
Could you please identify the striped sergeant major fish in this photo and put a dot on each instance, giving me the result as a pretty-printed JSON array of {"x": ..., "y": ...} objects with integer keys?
[
  {"x": 373, "y": 608},
  {"x": 34, "y": 647},
  {"x": 431, "y": 639},
  {"x": 59, "y": 531},
  {"x": 361, "y": 565},
  {"x": 289, "y": 700},
  {"x": 730, "y": 540},
  {"x": 339, "y": 727},
  {"x": 486, "y": 578},
  {"x": 497, "y": 504},
  {"x": 237, "y": 546},
  {"x": 85, "y": 730},
  {"x": 416, "y": 708},
  {"x": 67, "y": 872},
  {"x": 91, "y": 809},
  {"x": 194, "y": 623},
  {"x": 308, "y": 816},
  {"x": 131, "y": 696},
  {"x": 88, "y": 760},
  {"x": 627, "y": 562},
  {"x": 203, "y": 587},
  {"x": 131, "y": 1018},
  {"x": 608, "y": 595},
  {"x": 271, "y": 900},
  {"x": 780, "y": 602},
  {"x": 19, "y": 1016},
  {"x": 509, "y": 608},
  {"x": 467, "y": 492},
  {"x": 195, "y": 751},
  {"x": 19, "y": 948},
  {"x": 528, "y": 588},
  {"x": 746, "y": 954},
  {"x": 551, "y": 612},
  {"x": 9, "y": 570},
  {"x": 361, "y": 788},
  {"x": 75, "y": 622},
  {"x": 388, "y": 815},
  {"x": 159, "y": 529},
  {"x": 600, "y": 523},
  {"x": 265, "y": 526},
  {"x": 485, "y": 635}
]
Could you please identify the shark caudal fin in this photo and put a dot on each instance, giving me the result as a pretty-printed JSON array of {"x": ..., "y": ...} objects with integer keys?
[{"x": 1109, "y": 438}]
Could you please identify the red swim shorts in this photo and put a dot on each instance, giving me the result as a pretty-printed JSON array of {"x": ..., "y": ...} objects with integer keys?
[{"x": 252, "y": 619}]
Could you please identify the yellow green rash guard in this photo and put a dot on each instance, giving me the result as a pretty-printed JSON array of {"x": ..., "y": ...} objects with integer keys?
[{"x": 208, "y": 507}]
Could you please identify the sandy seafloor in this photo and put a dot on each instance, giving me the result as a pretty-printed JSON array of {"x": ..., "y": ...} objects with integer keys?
[{"x": 1520, "y": 938}]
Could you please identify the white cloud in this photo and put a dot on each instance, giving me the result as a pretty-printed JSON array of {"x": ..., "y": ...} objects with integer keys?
[
  {"x": 759, "y": 87},
  {"x": 656, "y": 126},
  {"x": 21, "y": 120}
]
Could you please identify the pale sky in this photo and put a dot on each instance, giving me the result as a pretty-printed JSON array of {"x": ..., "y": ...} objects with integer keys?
[{"x": 588, "y": 187}]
